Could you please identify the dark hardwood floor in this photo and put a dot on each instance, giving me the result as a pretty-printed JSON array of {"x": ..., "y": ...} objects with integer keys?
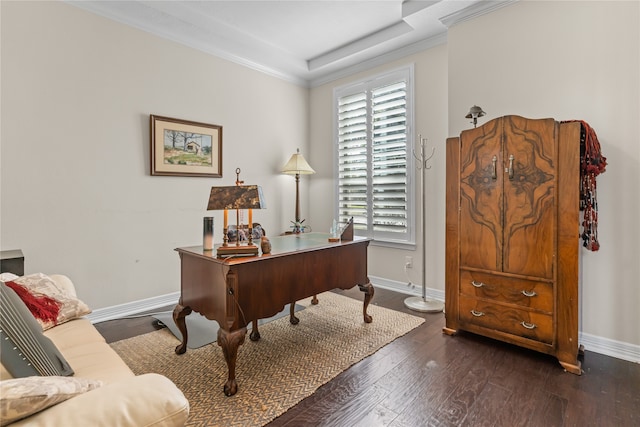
[{"x": 426, "y": 378}]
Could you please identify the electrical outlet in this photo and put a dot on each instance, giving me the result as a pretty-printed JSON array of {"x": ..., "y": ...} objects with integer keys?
[{"x": 408, "y": 262}]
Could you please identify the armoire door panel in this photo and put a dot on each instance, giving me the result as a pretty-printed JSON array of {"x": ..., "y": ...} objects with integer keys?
[
  {"x": 529, "y": 196},
  {"x": 481, "y": 198}
]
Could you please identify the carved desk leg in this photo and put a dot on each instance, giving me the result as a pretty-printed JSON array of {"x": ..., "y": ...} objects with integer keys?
[
  {"x": 179, "y": 314},
  {"x": 292, "y": 317},
  {"x": 255, "y": 333},
  {"x": 230, "y": 341},
  {"x": 368, "y": 295}
]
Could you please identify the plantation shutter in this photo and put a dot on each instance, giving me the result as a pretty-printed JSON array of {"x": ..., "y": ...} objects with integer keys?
[
  {"x": 353, "y": 180},
  {"x": 372, "y": 160},
  {"x": 389, "y": 159}
]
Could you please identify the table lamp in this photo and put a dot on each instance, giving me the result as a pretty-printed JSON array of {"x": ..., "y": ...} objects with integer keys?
[
  {"x": 236, "y": 197},
  {"x": 297, "y": 166}
]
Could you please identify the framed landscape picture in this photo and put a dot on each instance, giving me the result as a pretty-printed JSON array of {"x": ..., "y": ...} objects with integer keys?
[{"x": 185, "y": 148}]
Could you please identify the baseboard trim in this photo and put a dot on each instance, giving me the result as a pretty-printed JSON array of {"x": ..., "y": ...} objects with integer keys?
[
  {"x": 133, "y": 308},
  {"x": 609, "y": 347},
  {"x": 593, "y": 343},
  {"x": 406, "y": 288}
]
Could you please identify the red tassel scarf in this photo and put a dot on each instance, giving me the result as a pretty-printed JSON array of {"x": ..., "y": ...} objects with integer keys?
[{"x": 592, "y": 164}]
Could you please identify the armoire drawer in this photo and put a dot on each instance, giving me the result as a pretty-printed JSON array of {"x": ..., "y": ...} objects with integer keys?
[
  {"x": 525, "y": 293},
  {"x": 520, "y": 322}
]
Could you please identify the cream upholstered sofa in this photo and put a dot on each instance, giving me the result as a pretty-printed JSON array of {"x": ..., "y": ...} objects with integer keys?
[{"x": 121, "y": 399}]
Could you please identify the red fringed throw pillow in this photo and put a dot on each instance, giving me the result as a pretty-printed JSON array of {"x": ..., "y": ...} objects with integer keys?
[{"x": 41, "y": 306}]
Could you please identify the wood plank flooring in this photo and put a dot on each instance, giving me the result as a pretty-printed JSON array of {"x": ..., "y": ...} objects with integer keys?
[{"x": 426, "y": 378}]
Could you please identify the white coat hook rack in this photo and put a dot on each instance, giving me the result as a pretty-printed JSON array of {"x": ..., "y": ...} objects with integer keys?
[{"x": 423, "y": 304}]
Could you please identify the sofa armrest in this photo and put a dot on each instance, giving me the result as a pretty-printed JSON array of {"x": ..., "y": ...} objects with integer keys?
[{"x": 145, "y": 400}]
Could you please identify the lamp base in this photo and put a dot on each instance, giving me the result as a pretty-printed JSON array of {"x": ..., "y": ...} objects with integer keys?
[
  {"x": 423, "y": 305},
  {"x": 233, "y": 250}
]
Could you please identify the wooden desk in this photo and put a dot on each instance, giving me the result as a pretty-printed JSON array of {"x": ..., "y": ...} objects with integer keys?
[{"x": 237, "y": 291}]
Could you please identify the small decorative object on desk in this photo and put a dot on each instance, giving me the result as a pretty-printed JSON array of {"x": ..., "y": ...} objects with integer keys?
[
  {"x": 334, "y": 232},
  {"x": 347, "y": 231},
  {"x": 207, "y": 233},
  {"x": 265, "y": 245},
  {"x": 297, "y": 227}
]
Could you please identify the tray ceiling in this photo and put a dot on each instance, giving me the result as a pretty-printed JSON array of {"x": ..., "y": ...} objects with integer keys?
[{"x": 306, "y": 41}]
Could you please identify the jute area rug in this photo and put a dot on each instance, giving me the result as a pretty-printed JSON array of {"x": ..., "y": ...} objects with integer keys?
[{"x": 286, "y": 365}]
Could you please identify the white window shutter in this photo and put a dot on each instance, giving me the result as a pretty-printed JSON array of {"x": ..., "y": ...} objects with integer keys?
[{"x": 372, "y": 150}]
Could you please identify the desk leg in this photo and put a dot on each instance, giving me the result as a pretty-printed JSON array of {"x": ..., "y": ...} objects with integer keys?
[
  {"x": 230, "y": 341},
  {"x": 179, "y": 314},
  {"x": 255, "y": 333},
  {"x": 292, "y": 317},
  {"x": 368, "y": 295}
]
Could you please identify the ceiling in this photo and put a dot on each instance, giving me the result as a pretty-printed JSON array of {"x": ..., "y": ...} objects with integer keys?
[{"x": 308, "y": 42}]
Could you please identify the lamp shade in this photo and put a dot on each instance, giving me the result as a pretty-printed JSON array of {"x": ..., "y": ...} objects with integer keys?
[
  {"x": 475, "y": 112},
  {"x": 236, "y": 197},
  {"x": 297, "y": 165}
]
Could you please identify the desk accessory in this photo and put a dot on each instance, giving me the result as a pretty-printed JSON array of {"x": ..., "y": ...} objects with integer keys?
[
  {"x": 207, "y": 233},
  {"x": 265, "y": 245},
  {"x": 334, "y": 232},
  {"x": 347, "y": 231},
  {"x": 236, "y": 197}
]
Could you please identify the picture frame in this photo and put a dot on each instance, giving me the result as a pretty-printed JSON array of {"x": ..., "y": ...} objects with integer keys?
[{"x": 185, "y": 148}]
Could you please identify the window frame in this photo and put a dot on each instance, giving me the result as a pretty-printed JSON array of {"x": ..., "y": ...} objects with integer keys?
[{"x": 406, "y": 74}]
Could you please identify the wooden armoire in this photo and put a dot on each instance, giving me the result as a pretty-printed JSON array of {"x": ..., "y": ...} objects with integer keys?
[{"x": 513, "y": 234}]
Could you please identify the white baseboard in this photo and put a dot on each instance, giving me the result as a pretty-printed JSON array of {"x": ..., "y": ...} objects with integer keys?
[
  {"x": 609, "y": 347},
  {"x": 596, "y": 344},
  {"x": 404, "y": 288},
  {"x": 133, "y": 308}
]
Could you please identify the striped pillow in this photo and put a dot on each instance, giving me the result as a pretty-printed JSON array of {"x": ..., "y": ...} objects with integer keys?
[{"x": 24, "y": 349}]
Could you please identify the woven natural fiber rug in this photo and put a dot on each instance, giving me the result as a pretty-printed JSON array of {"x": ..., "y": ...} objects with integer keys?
[{"x": 286, "y": 365}]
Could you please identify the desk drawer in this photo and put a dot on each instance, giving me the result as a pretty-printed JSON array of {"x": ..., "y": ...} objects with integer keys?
[
  {"x": 519, "y": 322},
  {"x": 525, "y": 293}
]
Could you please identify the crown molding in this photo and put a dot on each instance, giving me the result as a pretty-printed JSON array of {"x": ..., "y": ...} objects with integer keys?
[
  {"x": 411, "y": 49},
  {"x": 478, "y": 9}
]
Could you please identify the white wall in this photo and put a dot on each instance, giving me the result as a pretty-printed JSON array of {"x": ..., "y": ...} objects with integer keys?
[
  {"x": 76, "y": 194},
  {"x": 569, "y": 60}
]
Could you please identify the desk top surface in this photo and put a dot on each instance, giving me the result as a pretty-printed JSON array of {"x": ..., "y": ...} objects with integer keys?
[{"x": 280, "y": 246}]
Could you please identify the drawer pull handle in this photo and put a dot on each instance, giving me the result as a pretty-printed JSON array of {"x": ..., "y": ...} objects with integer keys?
[
  {"x": 477, "y": 284},
  {"x": 477, "y": 313},
  {"x": 528, "y": 325},
  {"x": 529, "y": 293}
]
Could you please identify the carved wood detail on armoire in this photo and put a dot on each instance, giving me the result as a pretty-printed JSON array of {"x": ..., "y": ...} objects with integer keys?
[{"x": 512, "y": 234}]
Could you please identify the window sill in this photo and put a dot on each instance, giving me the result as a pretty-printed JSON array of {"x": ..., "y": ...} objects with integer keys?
[{"x": 394, "y": 245}]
